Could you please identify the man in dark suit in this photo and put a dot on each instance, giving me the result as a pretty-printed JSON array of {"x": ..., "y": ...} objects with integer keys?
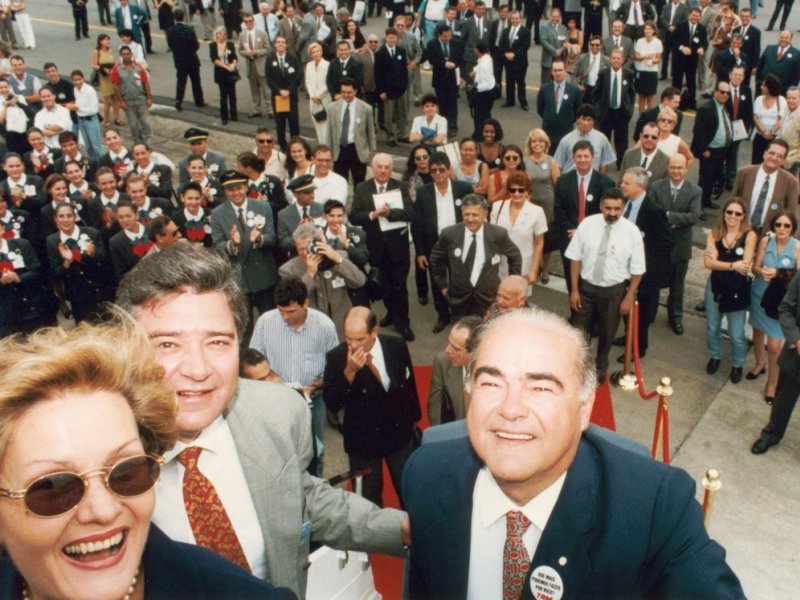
[
  {"x": 711, "y": 140},
  {"x": 465, "y": 262},
  {"x": 497, "y": 28},
  {"x": 670, "y": 98},
  {"x": 445, "y": 55},
  {"x": 577, "y": 195},
  {"x": 647, "y": 155},
  {"x": 283, "y": 76},
  {"x": 529, "y": 412},
  {"x": 130, "y": 17},
  {"x": 651, "y": 219},
  {"x": 689, "y": 43},
  {"x": 244, "y": 231},
  {"x": 432, "y": 216},
  {"x": 129, "y": 245},
  {"x": 781, "y": 60},
  {"x": 789, "y": 375},
  {"x": 476, "y": 28},
  {"x": 346, "y": 66},
  {"x": 182, "y": 40},
  {"x": 732, "y": 57},
  {"x": 613, "y": 97},
  {"x": 740, "y": 107},
  {"x": 388, "y": 245},
  {"x": 681, "y": 199},
  {"x": 672, "y": 14},
  {"x": 557, "y": 103},
  {"x": 391, "y": 84},
  {"x": 371, "y": 376},
  {"x": 751, "y": 41},
  {"x": 617, "y": 39},
  {"x": 634, "y": 13},
  {"x": 514, "y": 45}
]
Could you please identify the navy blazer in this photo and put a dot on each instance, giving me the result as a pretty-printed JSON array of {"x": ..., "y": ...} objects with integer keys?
[
  {"x": 443, "y": 77},
  {"x": 657, "y": 237},
  {"x": 138, "y": 16},
  {"x": 560, "y": 123},
  {"x": 425, "y": 226},
  {"x": 787, "y": 69},
  {"x": 751, "y": 45},
  {"x": 628, "y": 526}
]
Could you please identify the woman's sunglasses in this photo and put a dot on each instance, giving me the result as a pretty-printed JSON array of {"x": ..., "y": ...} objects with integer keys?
[{"x": 58, "y": 493}]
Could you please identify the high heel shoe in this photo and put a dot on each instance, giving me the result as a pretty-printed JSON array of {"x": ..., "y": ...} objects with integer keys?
[{"x": 755, "y": 374}]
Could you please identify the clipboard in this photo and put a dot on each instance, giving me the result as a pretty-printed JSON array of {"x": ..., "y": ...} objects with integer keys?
[
  {"x": 394, "y": 198},
  {"x": 739, "y": 130},
  {"x": 282, "y": 104}
]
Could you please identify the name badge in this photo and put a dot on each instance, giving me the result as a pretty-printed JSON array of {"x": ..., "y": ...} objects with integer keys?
[
  {"x": 496, "y": 259},
  {"x": 338, "y": 282}
]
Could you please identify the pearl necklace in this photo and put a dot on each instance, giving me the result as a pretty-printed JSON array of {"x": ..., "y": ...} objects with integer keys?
[{"x": 26, "y": 594}]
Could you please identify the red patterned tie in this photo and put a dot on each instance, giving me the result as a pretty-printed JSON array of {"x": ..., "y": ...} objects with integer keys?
[
  {"x": 210, "y": 524},
  {"x": 515, "y": 557},
  {"x": 581, "y": 201}
]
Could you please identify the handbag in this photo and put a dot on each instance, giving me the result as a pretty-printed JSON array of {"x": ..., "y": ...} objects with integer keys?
[
  {"x": 776, "y": 290},
  {"x": 234, "y": 76},
  {"x": 320, "y": 116}
]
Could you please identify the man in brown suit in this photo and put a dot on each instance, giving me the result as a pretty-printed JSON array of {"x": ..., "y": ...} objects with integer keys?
[
  {"x": 767, "y": 188},
  {"x": 290, "y": 29}
]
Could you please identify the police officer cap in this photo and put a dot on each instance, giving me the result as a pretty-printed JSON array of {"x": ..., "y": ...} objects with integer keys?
[
  {"x": 232, "y": 177},
  {"x": 193, "y": 134},
  {"x": 304, "y": 183}
]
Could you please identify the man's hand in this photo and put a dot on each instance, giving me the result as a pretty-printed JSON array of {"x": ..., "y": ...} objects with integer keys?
[
  {"x": 707, "y": 154},
  {"x": 236, "y": 238},
  {"x": 422, "y": 261},
  {"x": 509, "y": 55},
  {"x": 626, "y": 305},
  {"x": 91, "y": 250},
  {"x": 575, "y": 300},
  {"x": 312, "y": 264},
  {"x": 9, "y": 277},
  {"x": 444, "y": 292},
  {"x": 405, "y": 530},
  {"x": 355, "y": 362},
  {"x": 149, "y": 101},
  {"x": 255, "y": 233},
  {"x": 570, "y": 233},
  {"x": 383, "y": 96},
  {"x": 284, "y": 93},
  {"x": 326, "y": 250},
  {"x": 450, "y": 65}
]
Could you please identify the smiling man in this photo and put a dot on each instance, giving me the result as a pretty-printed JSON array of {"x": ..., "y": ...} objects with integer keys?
[{"x": 597, "y": 520}]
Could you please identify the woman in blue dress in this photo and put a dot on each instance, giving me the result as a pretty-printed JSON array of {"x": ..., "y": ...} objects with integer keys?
[{"x": 777, "y": 256}]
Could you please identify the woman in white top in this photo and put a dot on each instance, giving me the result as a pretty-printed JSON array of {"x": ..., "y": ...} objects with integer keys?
[
  {"x": 319, "y": 96},
  {"x": 526, "y": 225},
  {"x": 669, "y": 143},
  {"x": 430, "y": 120},
  {"x": 768, "y": 112},
  {"x": 647, "y": 58}
]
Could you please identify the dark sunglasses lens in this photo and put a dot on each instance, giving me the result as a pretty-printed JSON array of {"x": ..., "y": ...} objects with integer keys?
[
  {"x": 54, "y": 494},
  {"x": 134, "y": 476}
]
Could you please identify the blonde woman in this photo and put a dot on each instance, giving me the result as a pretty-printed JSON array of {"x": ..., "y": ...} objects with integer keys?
[
  {"x": 223, "y": 55},
  {"x": 319, "y": 96},
  {"x": 669, "y": 143},
  {"x": 544, "y": 172}
]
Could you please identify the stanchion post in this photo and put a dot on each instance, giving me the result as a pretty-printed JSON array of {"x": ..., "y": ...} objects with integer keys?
[
  {"x": 627, "y": 380},
  {"x": 712, "y": 484},
  {"x": 661, "y": 430}
]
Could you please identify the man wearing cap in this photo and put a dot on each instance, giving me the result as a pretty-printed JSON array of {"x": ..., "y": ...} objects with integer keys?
[
  {"x": 198, "y": 144},
  {"x": 244, "y": 230},
  {"x": 304, "y": 210}
]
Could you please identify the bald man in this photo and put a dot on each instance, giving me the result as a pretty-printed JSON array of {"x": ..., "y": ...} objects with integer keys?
[{"x": 511, "y": 294}]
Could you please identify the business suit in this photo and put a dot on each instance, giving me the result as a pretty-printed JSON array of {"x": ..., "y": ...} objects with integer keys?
[
  {"x": 27, "y": 305},
  {"x": 255, "y": 64},
  {"x": 378, "y": 423},
  {"x": 672, "y": 14},
  {"x": 751, "y": 46},
  {"x": 624, "y": 12},
  {"x": 580, "y": 74},
  {"x": 388, "y": 250},
  {"x": 471, "y": 35},
  {"x": 656, "y": 165},
  {"x": 391, "y": 78},
  {"x": 687, "y": 65},
  {"x": 683, "y": 211},
  {"x": 182, "y": 40},
  {"x": 284, "y": 79},
  {"x": 712, "y": 170},
  {"x": 744, "y": 112},
  {"x": 785, "y": 192},
  {"x": 661, "y": 541},
  {"x": 258, "y": 274},
  {"x": 138, "y": 17},
  {"x": 125, "y": 254},
  {"x": 551, "y": 37},
  {"x": 558, "y": 121},
  {"x": 446, "y": 394},
  {"x": 651, "y": 116},
  {"x": 615, "y": 120},
  {"x": 625, "y": 44},
  {"x": 448, "y": 270},
  {"x": 290, "y": 29},
  {"x": 496, "y": 29},
  {"x": 351, "y": 158},
  {"x": 288, "y": 220},
  {"x": 426, "y": 231},
  {"x": 444, "y": 79},
  {"x": 726, "y": 60},
  {"x": 352, "y": 69},
  {"x": 787, "y": 69},
  {"x": 517, "y": 67}
]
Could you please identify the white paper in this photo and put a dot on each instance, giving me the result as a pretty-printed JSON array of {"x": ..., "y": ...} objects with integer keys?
[
  {"x": 323, "y": 32},
  {"x": 453, "y": 151},
  {"x": 739, "y": 130},
  {"x": 358, "y": 11},
  {"x": 394, "y": 198}
]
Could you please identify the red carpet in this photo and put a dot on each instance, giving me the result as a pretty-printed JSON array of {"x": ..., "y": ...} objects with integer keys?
[{"x": 388, "y": 570}]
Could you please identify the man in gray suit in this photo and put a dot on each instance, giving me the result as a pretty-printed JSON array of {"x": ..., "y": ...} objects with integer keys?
[
  {"x": 588, "y": 67},
  {"x": 254, "y": 46},
  {"x": 446, "y": 394},
  {"x": 303, "y": 210},
  {"x": 258, "y": 434},
  {"x": 617, "y": 39},
  {"x": 474, "y": 29},
  {"x": 682, "y": 201},
  {"x": 553, "y": 35},
  {"x": 244, "y": 230},
  {"x": 308, "y": 29},
  {"x": 351, "y": 132},
  {"x": 648, "y": 156}
]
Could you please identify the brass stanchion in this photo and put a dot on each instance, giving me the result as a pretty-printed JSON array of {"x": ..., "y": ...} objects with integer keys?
[
  {"x": 626, "y": 379},
  {"x": 661, "y": 431},
  {"x": 712, "y": 484}
]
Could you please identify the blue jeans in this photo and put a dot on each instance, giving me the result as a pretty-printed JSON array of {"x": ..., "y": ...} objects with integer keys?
[
  {"x": 430, "y": 31},
  {"x": 318, "y": 426},
  {"x": 736, "y": 321},
  {"x": 754, "y": 8},
  {"x": 90, "y": 130}
]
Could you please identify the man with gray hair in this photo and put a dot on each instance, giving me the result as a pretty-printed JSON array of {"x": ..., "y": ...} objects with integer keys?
[
  {"x": 465, "y": 262},
  {"x": 512, "y": 293},
  {"x": 515, "y": 503},
  {"x": 248, "y": 440}
]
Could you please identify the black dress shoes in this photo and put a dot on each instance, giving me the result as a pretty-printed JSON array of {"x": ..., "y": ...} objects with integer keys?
[
  {"x": 619, "y": 341},
  {"x": 621, "y": 357},
  {"x": 761, "y": 445},
  {"x": 525, "y": 108},
  {"x": 711, "y": 205},
  {"x": 736, "y": 374},
  {"x": 507, "y": 105},
  {"x": 755, "y": 374},
  {"x": 440, "y": 325},
  {"x": 178, "y": 106},
  {"x": 700, "y": 307},
  {"x": 406, "y": 332},
  {"x": 712, "y": 366},
  {"x": 423, "y": 300},
  {"x": 677, "y": 328},
  {"x": 387, "y": 320}
]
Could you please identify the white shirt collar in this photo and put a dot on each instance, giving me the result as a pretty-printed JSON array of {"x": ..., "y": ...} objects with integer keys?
[{"x": 75, "y": 235}]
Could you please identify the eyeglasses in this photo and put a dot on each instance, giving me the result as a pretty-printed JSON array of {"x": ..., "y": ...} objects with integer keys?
[
  {"x": 438, "y": 170},
  {"x": 511, "y": 157},
  {"x": 649, "y": 136},
  {"x": 265, "y": 140},
  {"x": 667, "y": 120},
  {"x": 783, "y": 225},
  {"x": 420, "y": 157},
  {"x": 517, "y": 190},
  {"x": 58, "y": 493},
  {"x": 734, "y": 213}
]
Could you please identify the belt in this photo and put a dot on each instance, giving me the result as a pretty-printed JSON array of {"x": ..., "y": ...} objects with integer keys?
[{"x": 89, "y": 118}]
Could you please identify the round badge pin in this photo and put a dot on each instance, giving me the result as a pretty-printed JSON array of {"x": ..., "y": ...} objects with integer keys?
[
  {"x": 12, "y": 255},
  {"x": 327, "y": 274},
  {"x": 356, "y": 239},
  {"x": 739, "y": 251},
  {"x": 457, "y": 252},
  {"x": 458, "y": 202},
  {"x": 774, "y": 206},
  {"x": 589, "y": 197},
  {"x": 547, "y": 583},
  {"x": 207, "y": 228}
]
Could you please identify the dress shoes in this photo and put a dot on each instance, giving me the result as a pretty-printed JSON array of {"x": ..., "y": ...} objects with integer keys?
[
  {"x": 769, "y": 399},
  {"x": 423, "y": 300},
  {"x": 677, "y": 327},
  {"x": 525, "y": 108},
  {"x": 736, "y": 374},
  {"x": 403, "y": 140},
  {"x": 253, "y": 115},
  {"x": 178, "y": 106},
  {"x": 755, "y": 374},
  {"x": 406, "y": 332},
  {"x": 440, "y": 325},
  {"x": 202, "y": 105},
  {"x": 387, "y": 320},
  {"x": 712, "y": 366},
  {"x": 700, "y": 307},
  {"x": 619, "y": 341},
  {"x": 507, "y": 105},
  {"x": 761, "y": 445},
  {"x": 621, "y": 358}
]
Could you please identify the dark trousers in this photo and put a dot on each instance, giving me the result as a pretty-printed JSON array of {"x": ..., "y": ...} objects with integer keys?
[
  {"x": 600, "y": 306},
  {"x": 785, "y": 398},
  {"x": 260, "y": 301},
  {"x": 374, "y": 7},
  {"x": 227, "y": 101},
  {"x": 677, "y": 281},
  {"x": 373, "y": 483},
  {"x": 348, "y": 163},
  {"x": 711, "y": 169},
  {"x": 474, "y": 306},
  {"x": 616, "y": 123},
  {"x": 197, "y": 87},
  {"x": 439, "y": 302},
  {"x": 648, "y": 309},
  {"x": 282, "y": 118},
  {"x": 105, "y": 14},
  {"x": 760, "y": 144},
  {"x": 666, "y": 42},
  {"x": 395, "y": 270},
  {"x": 421, "y": 279},
  {"x": 81, "y": 17},
  {"x": 732, "y": 163},
  {"x": 498, "y": 61},
  {"x": 148, "y": 39},
  {"x": 515, "y": 78},
  {"x": 481, "y": 112},
  {"x": 787, "y": 6},
  {"x": 448, "y": 107},
  {"x": 685, "y": 66},
  {"x": 372, "y": 99}
]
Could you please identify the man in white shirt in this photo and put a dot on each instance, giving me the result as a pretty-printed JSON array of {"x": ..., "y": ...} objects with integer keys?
[
  {"x": 88, "y": 121},
  {"x": 53, "y": 118},
  {"x": 330, "y": 185}
]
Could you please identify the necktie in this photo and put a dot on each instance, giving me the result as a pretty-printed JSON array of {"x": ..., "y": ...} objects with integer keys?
[
  {"x": 644, "y": 161},
  {"x": 581, "y": 199},
  {"x": 780, "y": 53},
  {"x": 616, "y": 42},
  {"x": 469, "y": 262},
  {"x": 266, "y": 28},
  {"x": 319, "y": 23},
  {"x": 381, "y": 189},
  {"x": 515, "y": 557},
  {"x": 513, "y": 35},
  {"x": 241, "y": 217},
  {"x": 674, "y": 191},
  {"x": 374, "y": 369},
  {"x": 305, "y": 213},
  {"x": 391, "y": 53},
  {"x": 280, "y": 62},
  {"x": 614, "y": 90},
  {"x": 735, "y": 104},
  {"x": 144, "y": 217},
  {"x": 250, "y": 40},
  {"x": 555, "y": 95},
  {"x": 480, "y": 28},
  {"x": 447, "y": 50},
  {"x": 602, "y": 255},
  {"x": 671, "y": 13},
  {"x": 628, "y": 208},
  {"x": 635, "y": 14},
  {"x": 345, "y": 126},
  {"x": 756, "y": 218},
  {"x": 210, "y": 524}
]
